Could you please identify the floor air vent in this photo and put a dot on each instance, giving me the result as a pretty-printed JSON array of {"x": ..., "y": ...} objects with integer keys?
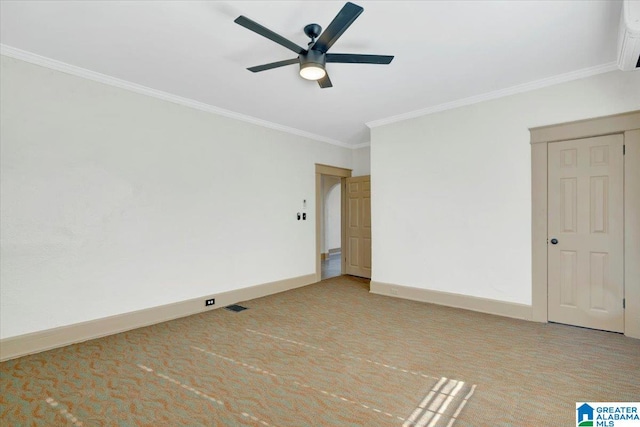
[{"x": 235, "y": 307}]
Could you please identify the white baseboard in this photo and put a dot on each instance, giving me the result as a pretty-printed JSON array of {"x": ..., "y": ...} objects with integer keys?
[
  {"x": 483, "y": 305},
  {"x": 35, "y": 342}
]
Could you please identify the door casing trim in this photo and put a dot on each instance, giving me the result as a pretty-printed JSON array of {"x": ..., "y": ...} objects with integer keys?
[{"x": 627, "y": 124}]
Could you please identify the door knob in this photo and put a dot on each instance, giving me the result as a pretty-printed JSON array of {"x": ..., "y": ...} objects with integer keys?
[{"x": 554, "y": 241}]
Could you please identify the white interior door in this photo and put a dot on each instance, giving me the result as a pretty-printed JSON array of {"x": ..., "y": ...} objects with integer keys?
[
  {"x": 586, "y": 232},
  {"x": 358, "y": 232}
]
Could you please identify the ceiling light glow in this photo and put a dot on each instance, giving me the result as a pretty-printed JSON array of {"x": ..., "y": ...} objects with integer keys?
[{"x": 312, "y": 71}]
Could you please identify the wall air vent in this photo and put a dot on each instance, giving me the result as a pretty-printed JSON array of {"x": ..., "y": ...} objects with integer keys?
[{"x": 629, "y": 36}]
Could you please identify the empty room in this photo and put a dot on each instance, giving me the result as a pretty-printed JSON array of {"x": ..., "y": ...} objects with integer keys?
[{"x": 320, "y": 213}]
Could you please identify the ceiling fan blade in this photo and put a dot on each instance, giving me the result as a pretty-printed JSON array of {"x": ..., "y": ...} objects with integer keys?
[
  {"x": 325, "y": 82},
  {"x": 271, "y": 65},
  {"x": 265, "y": 32},
  {"x": 352, "y": 58},
  {"x": 339, "y": 25}
]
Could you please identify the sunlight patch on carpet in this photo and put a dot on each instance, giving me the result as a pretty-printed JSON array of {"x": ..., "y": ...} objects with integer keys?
[
  {"x": 439, "y": 408},
  {"x": 325, "y": 393},
  {"x": 184, "y": 386},
  {"x": 350, "y": 356},
  {"x": 442, "y": 405},
  {"x": 256, "y": 419},
  {"x": 63, "y": 411}
]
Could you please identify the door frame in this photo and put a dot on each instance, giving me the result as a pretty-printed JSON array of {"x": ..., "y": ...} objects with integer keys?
[
  {"x": 627, "y": 124},
  {"x": 343, "y": 174}
]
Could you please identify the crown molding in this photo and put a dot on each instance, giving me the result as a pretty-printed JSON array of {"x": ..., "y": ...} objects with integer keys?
[
  {"x": 53, "y": 64},
  {"x": 361, "y": 145},
  {"x": 538, "y": 84}
]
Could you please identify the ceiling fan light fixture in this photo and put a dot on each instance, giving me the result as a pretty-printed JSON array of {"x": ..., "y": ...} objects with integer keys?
[
  {"x": 314, "y": 58},
  {"x": 312, "y": 71},
  {"x": 312, "y": 65}
]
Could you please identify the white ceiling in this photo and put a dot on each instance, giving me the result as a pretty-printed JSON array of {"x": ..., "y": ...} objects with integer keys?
[{"x": 445, "y": 51}]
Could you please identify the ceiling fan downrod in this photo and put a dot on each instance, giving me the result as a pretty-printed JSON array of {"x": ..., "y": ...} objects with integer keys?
[{"x": 312, "y": 31}]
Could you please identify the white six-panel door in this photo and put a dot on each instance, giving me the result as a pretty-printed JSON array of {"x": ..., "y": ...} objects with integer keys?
[
  {"x": 358, "y": 230},
  {"x": 586, "y": 232}
]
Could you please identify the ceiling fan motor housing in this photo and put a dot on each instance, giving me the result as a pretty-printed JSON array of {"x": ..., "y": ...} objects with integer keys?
[{"x": 312, "y": 58}]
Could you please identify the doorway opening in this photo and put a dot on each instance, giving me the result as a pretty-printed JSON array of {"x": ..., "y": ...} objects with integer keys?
[
  {"x": 330, "y": 237},
  {"x": 330, "y": 220}
]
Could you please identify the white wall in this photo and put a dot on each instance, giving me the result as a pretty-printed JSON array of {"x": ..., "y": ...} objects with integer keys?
[
  {"x": 114, "y": 201},
  {"x": 451, "y": 204},
  {"x": 361, "y": 161}
]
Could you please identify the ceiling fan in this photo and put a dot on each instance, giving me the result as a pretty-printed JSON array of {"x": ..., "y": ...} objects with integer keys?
[{"x": 313, "y": 59}]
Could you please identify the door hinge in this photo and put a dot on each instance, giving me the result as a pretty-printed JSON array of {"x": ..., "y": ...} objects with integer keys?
[
  {"x": 624, "y": 150},
  {"x": 624, "y": 303}
]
